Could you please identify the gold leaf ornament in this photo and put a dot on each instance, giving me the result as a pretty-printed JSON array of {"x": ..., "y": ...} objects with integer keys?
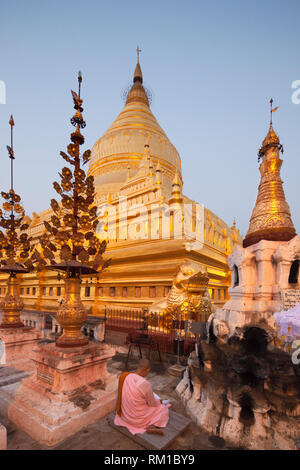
[
  {"x": 55, "y": 220},
  {"x": 79, "y": 174},
  {"x": 57, "y": 187},
  {"x": 16, "y": 198},
  {"x": 67, "y": 173},
  {"x": 47, "y": 226},
  {"x": 66, "y": 185},
  {"x": 7, "y": 206},
  {"x": 54, "y": 205},
  {"x": 72, "y": 150},
  {"x": 79, "y": 185},
  {"x": 86, "y": 156},
  {"x": 68, "y": 220},
  {"x": 93, "y": 212},
  {"x": 65, "y": 157},
  {"x": 67, "y": 202},
  {"x": 84, "y": 221},
  {"x": 83, "y": 255},
  {"x": 23, "y": 238},
  {"x": 18, "y": 208},
  {"x": 103, "y": 246},
  {"x": 65, "y": 253}
]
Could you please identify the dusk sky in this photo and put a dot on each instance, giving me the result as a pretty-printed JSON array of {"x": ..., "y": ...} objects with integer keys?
[{"x": 212, "y": 66}]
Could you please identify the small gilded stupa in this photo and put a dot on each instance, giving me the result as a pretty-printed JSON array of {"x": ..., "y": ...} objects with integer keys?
[{"x": 271, "y": 217}]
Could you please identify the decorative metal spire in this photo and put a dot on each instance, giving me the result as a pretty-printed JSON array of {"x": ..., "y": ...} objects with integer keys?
[
  {"x": 271, "y": 138},
  {"x": 271, "y": 218},
  {"x": 11, "y": 152},
  {"x": 137, "y": 91},
  {"x": 272, "y": 110},
  {"x": 138, "y": 50},
  {"x": 176, "y": 194},
  {"x": 15, "y": 246},
  {"x": 71, "y": 232}
]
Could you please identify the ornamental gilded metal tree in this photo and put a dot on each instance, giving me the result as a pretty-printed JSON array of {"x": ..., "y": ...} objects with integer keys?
[
  {"x": 15, "y": 246},
  {"x": 71, "y": 232}
]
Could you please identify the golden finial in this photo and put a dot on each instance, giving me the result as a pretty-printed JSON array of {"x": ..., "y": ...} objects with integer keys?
[
  {"x": 79, "y": 82},
  {"x": 138, "y": 50},
  {"x": 271, "y": 138},
  {"x": 176, "y": 196},
  {"x": 11, "y": 154},
  {"x": 137, "y": 91},
  {"x": 272, "y": 110},
  {"x": 138, "y": 76},
  {"x": 11, "y": 147}
]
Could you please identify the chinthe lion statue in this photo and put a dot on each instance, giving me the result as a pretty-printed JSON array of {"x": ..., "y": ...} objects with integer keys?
[{"x": 188, "y": 298}]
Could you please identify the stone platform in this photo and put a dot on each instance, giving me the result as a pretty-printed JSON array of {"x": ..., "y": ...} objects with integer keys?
[
  {"x": 176, "y": 426},
  {"x": 69, "y": 390},
  {"x": 10, "y": 375},
  {"x": 19, "y": 343},
  {"x": 100, "y": 435}
]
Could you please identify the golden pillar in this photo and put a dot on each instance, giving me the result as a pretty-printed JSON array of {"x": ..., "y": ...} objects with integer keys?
[
  {"x": 71, "y": 316},
  {"x": 12, "y": 305}
]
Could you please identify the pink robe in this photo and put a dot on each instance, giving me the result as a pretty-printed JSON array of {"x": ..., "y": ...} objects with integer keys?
[{"x": 140, "y": 408}]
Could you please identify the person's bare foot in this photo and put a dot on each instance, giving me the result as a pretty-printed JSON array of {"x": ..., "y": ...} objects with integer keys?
[{"x": 155, "y": 430}]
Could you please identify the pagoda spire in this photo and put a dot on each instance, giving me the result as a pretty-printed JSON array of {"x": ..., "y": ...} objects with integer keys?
[
  {"x": 137, "y": 91},
  {"x": 176, "y": 194},
  {"x": 138, "y": 76},
  {"x": 271, "y": 217}
]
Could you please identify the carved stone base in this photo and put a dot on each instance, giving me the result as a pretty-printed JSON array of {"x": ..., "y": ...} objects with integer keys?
[
  {"x": 19, "y": 342},
  {"x": 70, "y": 389}
]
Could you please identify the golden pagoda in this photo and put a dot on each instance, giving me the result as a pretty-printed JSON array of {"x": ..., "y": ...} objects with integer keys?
[
  {"x": 271, "y": 217},
  {"x": 123, "y": 144},
  {"x": 134, "y": 161}
]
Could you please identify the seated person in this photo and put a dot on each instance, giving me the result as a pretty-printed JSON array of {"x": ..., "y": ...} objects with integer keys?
[{"x": 137, "y": 408}]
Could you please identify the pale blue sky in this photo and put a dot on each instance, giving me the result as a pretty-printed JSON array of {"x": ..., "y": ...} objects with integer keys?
[{"x": 212, "y": 66}]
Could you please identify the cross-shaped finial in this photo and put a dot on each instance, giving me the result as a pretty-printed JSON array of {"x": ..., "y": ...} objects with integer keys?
[
  {"x": 271, "y": 105},
  {"x": 138, "y": 50}
]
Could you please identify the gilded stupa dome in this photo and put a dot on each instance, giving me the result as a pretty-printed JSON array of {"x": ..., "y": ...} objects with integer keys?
[
  {"x": 122, "y": 145},
  {"x": 271, "y": 137}
]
